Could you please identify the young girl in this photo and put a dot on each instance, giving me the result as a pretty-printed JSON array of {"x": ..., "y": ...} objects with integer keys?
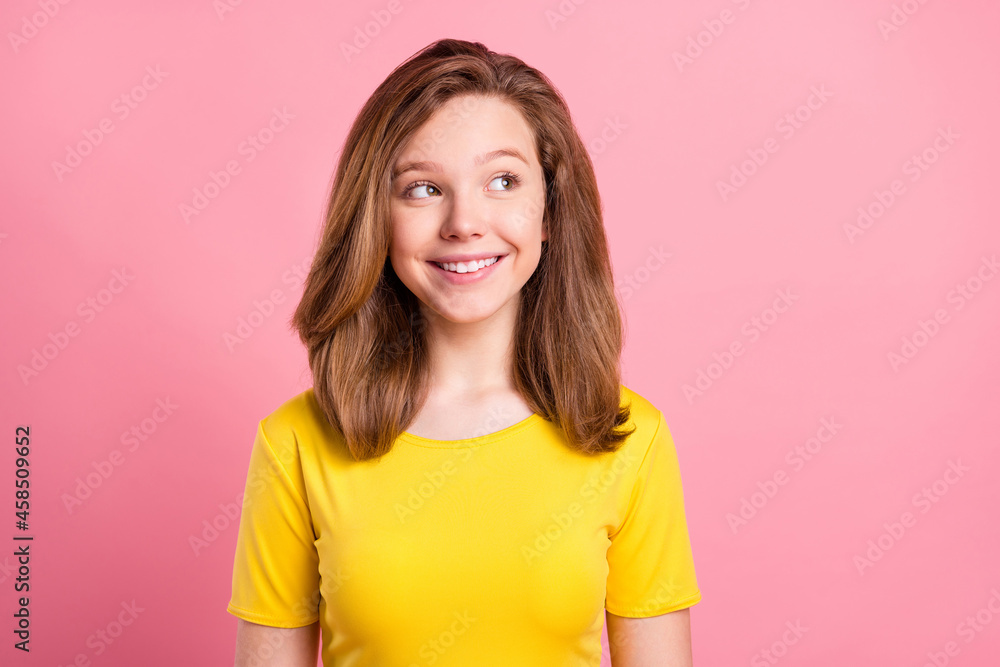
[{"x": 467, "y": 482}]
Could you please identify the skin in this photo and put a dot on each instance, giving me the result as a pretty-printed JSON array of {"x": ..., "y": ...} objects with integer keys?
[
  {"x": 458, "y": 206},
  {"x": 461, "y": 207},
  {"x": 657, "y": 641},
  {"x": 265, "y": 646}
]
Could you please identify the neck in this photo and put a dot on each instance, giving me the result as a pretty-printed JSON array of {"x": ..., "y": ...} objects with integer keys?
[{"x": 474, "y": 358}]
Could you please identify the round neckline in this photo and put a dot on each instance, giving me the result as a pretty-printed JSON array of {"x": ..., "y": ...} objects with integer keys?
[{"x": 486, "y": 439}]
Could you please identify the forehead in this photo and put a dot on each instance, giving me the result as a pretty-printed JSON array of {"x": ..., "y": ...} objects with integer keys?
[{"x": 469, "y": 125}]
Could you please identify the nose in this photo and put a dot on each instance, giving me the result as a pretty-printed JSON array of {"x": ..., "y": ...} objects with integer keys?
[{"x": 463, "y": 218}]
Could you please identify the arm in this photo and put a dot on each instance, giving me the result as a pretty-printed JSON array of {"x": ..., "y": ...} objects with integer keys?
[
  {"x": 276, "y": 647},
  {"x": 657, "y": 641}
]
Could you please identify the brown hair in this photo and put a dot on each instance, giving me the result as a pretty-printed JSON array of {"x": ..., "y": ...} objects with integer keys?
[{"x": 362, "y": 326}]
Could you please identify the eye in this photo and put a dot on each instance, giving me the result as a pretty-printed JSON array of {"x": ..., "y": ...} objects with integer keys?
[
  {"x": 510, "y": 179},
  {"x": 431, "y": 189}
]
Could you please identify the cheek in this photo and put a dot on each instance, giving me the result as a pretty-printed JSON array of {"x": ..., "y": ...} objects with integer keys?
[
  {"x": 538, "y": 213},
  {"x": 538, "y": 230},
  {"x": 402, "y": 238}
]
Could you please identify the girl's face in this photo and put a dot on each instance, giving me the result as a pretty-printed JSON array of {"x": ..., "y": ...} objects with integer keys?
[{"x": 468, "y": 187}]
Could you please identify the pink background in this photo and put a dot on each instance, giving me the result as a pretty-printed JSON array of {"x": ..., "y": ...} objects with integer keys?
[{"x": 662, "y": 137}]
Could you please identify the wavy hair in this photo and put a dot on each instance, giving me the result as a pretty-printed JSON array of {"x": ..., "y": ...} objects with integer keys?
[{"x": 363, "y": 328}]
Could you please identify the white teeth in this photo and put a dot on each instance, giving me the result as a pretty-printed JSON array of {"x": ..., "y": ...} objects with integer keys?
[{"x": 468, "y": 267}]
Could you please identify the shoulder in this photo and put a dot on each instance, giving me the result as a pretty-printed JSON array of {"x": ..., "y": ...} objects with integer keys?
[
  {"x": 298, "y": 412},
  {"x": 645, "y": 416},
  {"x": 651, "y": 439},
  {"x": 297, "y": 423}
]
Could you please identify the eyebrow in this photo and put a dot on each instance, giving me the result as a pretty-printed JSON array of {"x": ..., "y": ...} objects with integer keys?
[{"x": 427, "y": 165}]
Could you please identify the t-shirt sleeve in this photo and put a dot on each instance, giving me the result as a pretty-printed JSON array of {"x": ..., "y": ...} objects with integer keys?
[
  {"x": 276, "y": 569},
  {"x": 650, "y": 563}
]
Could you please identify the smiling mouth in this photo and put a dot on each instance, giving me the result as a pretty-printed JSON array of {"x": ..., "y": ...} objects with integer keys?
[{"x": 468, "y": 267}]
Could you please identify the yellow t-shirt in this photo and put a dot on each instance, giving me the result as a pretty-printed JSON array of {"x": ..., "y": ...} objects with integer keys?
[{"x": 503, "y": 549}]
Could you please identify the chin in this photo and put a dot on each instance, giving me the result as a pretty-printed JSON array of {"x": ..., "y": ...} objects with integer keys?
[{"x": 466, "y": 317}]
